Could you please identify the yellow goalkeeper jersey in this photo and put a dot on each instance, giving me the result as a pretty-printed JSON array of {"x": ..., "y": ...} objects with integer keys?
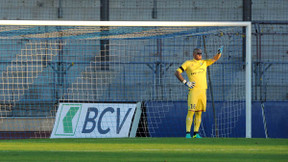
[{"x": 196, "y": 71}]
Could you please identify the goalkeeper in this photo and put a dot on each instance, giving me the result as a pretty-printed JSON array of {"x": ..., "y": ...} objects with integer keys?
[{"x": 197, "y": 85}]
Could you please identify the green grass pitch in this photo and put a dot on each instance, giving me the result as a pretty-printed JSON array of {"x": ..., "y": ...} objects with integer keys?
[{"x": 145, "y": 149}]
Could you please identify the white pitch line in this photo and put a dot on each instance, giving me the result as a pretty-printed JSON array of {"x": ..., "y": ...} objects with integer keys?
[{"x": 149, "y": 150}]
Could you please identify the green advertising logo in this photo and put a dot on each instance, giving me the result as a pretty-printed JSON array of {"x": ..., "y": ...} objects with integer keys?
[{"x": 67, "y": 120}]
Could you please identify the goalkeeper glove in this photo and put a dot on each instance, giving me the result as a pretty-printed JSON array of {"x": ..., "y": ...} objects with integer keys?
[
  {"x": 189, "y": 84},
  {"x": 220, "y": 50}
]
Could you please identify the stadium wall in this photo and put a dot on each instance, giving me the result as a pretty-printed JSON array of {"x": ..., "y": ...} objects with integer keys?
[{"x": 275, "y": 118}]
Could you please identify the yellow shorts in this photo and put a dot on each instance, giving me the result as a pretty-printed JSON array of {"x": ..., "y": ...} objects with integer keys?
[{"x": 197, "y": 100}]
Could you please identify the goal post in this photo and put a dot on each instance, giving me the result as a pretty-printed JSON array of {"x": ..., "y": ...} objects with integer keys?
[
  {"x": 248, "y": 81},
  {"x": 48, "y": 66}
]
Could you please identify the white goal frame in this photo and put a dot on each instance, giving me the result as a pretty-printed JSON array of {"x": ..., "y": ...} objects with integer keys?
[{"x": 246, "y": 24}]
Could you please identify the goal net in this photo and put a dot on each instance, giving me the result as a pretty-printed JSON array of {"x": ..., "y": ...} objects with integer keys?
[{"x": 119, "y": 78}]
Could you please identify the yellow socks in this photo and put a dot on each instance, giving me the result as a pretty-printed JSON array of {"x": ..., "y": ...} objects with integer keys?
[
  {"x": 197, "y": 121},
  {"x": 189, "y": 120}
]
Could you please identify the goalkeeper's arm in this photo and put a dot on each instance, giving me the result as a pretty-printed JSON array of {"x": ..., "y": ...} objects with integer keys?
[{"x": 181, "y": 79}]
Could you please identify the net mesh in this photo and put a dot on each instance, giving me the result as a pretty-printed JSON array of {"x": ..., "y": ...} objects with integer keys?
[{"x": 44, "y": 65}]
